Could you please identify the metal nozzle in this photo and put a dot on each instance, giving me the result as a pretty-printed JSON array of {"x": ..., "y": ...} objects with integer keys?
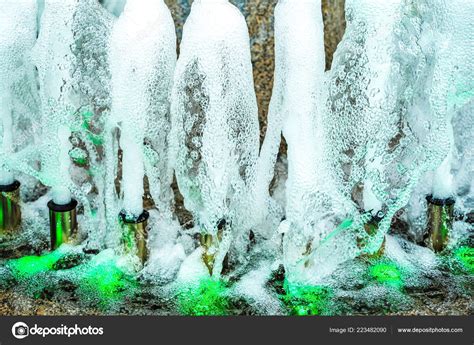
[
  {"x": 210, "y": 244},
  {"x": 135, "y": 234},
  {"x": 440, "y": 222},
  {"x": 371, "y": 228},
  {"x": 10, "y": 211},
  {"x": 62, "y": 223},
  {"x": 206, "y": 241}
]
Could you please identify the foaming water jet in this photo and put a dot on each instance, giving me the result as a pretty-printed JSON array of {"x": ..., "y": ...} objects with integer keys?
[{"x": 142, "y": 58}]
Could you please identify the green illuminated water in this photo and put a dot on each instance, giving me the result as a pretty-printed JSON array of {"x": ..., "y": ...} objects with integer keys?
[
  {"x": 29, "y": 266},
  {"x": 306, "y": 300},
  {"x": 465, "y": 256},
  {"x": 96, "y": 139},
  {"x": 208, "y": 298},
  {"x": 104, "y": 282},
  {"x": 386, "y": 273},
  {"x": 345, "y": 225},
  {"x": 78, "y": 156}
]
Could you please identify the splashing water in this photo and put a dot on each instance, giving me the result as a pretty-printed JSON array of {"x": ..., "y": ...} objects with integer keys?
[
  {"x": 146, "y": 67},
  {"x": 18, "y": 35},
  {"x": 215, "y": 124},
  {"x": 451, "y": 100},
  {"x": 96, "y": 107}
]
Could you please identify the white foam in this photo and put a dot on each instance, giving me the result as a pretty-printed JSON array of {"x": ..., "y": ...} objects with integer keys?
[
  {"x": 141, "y": 53},
  {"x": 215, "y": 132},
  {"x": 253, "y": 287},
  {"x": 17, "y": 37},
  {"x": 54, "y": 60},
  {"x": 193, "y": 269}
]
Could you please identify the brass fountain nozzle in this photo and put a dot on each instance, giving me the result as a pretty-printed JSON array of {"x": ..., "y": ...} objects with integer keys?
[
  {"x": 371, "y": 228},
  {"x": 440, "y": 222},
  {"x": 135, "y": 234},
  {"x": 209, "y": 243},
  {"x": 10, "y": 211},
  {"x": 206, "y": 241},
  {"x": 62, "y": 223}
]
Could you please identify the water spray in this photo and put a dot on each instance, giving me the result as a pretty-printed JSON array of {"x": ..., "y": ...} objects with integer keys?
[
  {"x": 215, "y": 132},
  {"x": 18, "y": 34},
  {"x": 10, "y": 211},
  {"x": 145, "y": 66}
]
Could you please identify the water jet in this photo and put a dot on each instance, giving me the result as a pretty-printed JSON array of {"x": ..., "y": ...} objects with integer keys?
[{"x": 105, "y": 122}]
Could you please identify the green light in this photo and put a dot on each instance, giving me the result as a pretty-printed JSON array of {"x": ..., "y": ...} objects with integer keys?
[
  {"x": 2, "y": 224},
  {"x": 106, "y": 279},
  {"x": 387, "y": 274},
  {"x": 345, "y": 225},
  {"x": 306, "y": 300},
  {"x": 80, "y": 161},
  {"x": 59, "y": 232},
  {"x": 9, "y": 206},
  {"x": 207, "y": 299},
  {"x": 79, "y": 156},
  {"x": 87, "y": 116},
  {"x": 29, "y": 266},
  {"x": 8, "y": 202},
  {"x": 465, "y": 255},
  {"x": 106, "y": 282},
  {"x": 96, "y": 139}
]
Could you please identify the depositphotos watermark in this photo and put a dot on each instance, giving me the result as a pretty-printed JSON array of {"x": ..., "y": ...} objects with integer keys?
[{"x": 21, "y": 330}]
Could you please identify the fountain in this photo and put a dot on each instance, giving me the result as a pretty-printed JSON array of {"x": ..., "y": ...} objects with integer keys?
[
  {"x": 450, "y": 104},
  {"x": 296, "y": 109},
  {"x": 450, "y": 95},
  {"x": 215, "y": 127},
  {"x": 144, "y": 66},
  {"x": 144, "y": 188},
  {"x": 54, "y": 60},
  {"x": 363, "y": 105},
  {"x": 17, "y": 39}
]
